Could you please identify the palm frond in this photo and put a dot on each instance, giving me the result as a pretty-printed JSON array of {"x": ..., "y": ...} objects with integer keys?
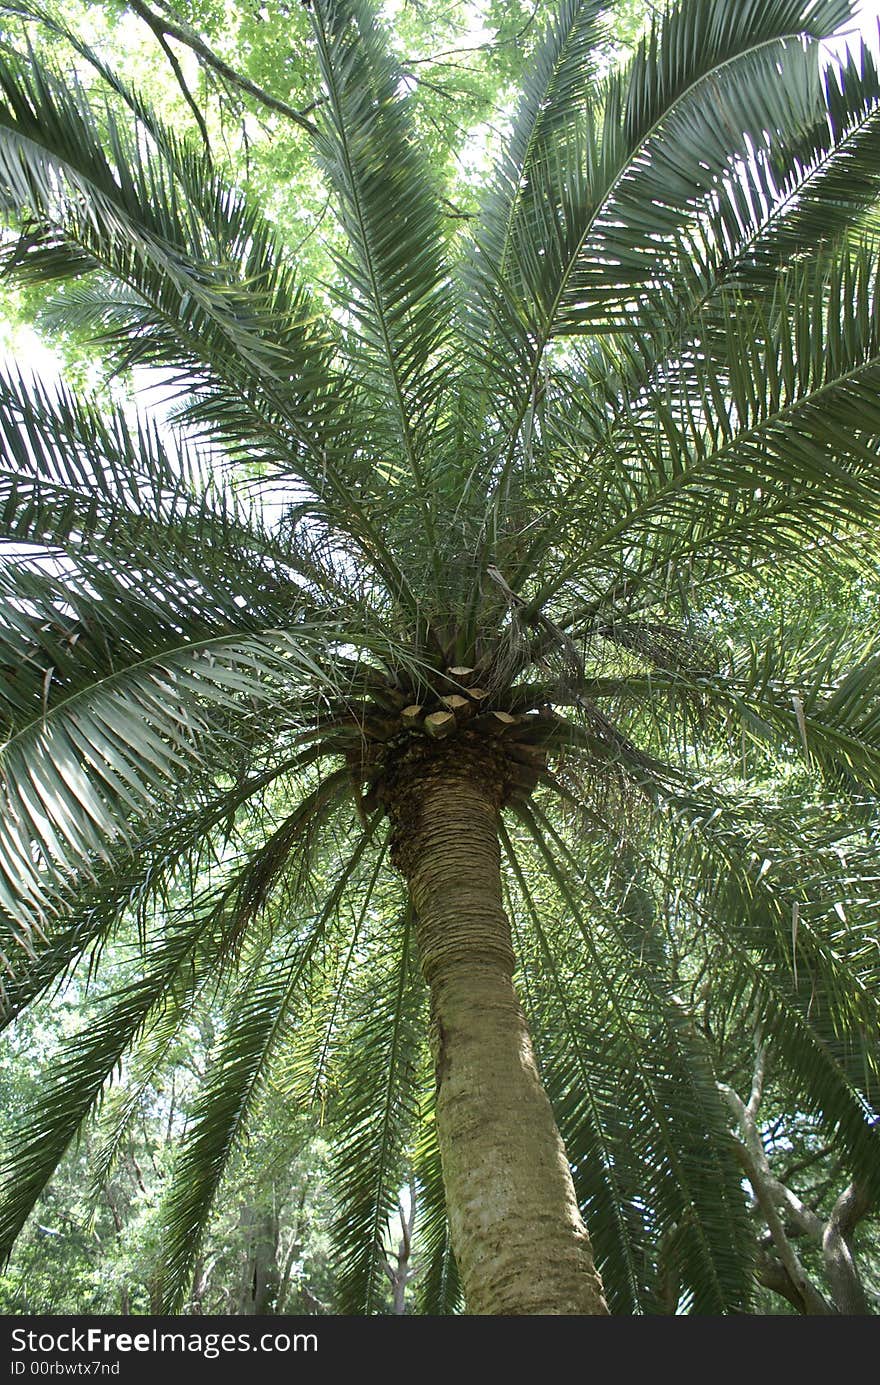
[
  {"x": 199, "y": 285},
  {"x": 666, "y": 147},
  {"x": 778, "y": 916},
  {"x": 438, "y": 1287},
  {"x": 100, "y": 764},
  {"x": 390, "y": 211},
  {"x": 689, "y": 1177},
  {"x": 255, "y": 1020},
  {"x": 41, "y": 1137},
  {"x": 804, "y": 694},
  {"x": 309, "y": 1077},
  {"x": 627, "y": 167},
  {"x": 377, "y": 1115},
  {"x": 557, "y": 90},
  {"x": 127, "y": 886},
  {"x": 740, "y": 453},
  {"x": 150, "y": 1057},
  {"x": 110, "y": 198}
]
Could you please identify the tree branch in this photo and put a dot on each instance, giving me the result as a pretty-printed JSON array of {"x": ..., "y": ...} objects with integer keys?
[
  {"x": 773, "y": 1275},
  {"x": 809, "y": 1301},
  {"x": 165, "y": 28},
  {"x": 781, "y": 1196},
  {"x": 843, "y": 1276},
  {"x": 800, "y": 1165},
  {"x": 834, "y": 1236},
  {"x": 157, "y": 28},
  {"x": 758, "y": 1078}
]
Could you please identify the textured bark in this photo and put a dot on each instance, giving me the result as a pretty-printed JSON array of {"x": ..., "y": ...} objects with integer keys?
[
  {"x": 840, "y": 1265},
  {"x": 517, "y": 1233}
]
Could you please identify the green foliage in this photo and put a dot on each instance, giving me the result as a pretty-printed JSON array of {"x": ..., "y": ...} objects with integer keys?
[
  {"x": 609, "y": 437},
  {"x": 94, "y": 1244}
]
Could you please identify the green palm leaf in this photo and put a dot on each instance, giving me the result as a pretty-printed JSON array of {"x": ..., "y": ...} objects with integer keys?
[
  {"x": 391, "y": 216},
  {"x": 438, "y": 1287},
  {"x": 686, "y": 1161},
  {"x": 257, "y": 1014},
  {"x": 517, "y": 525},
  {"x": 378, "y": 1099},
  {"x": 77, "y": 1081}
]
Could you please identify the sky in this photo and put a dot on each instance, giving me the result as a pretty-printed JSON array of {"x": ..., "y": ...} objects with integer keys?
[{"x": 866, "y": 21}]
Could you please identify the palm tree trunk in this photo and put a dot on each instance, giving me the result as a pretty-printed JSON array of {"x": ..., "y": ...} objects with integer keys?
[{"x": 517, "y": 1233}]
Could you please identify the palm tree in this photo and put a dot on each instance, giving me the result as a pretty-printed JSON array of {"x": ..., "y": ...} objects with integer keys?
[{"x": 401, "y": 646}]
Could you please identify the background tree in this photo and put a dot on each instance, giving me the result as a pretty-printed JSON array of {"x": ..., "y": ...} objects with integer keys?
[
  {"x": 435, "y": 578},
  {"x": 95, "y": 1241}
]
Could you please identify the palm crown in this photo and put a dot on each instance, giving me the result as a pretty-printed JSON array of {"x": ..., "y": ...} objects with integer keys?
[{"x": 512, "y": 473}]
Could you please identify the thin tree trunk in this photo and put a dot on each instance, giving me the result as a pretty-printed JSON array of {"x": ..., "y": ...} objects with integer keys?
[
  {"x": 259, "y": 1290},
  {"x": 517, "y": 1233}
]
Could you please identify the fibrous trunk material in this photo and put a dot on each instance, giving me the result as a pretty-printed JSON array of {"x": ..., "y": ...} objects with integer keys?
[{"x": 517, "y": 1233}]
